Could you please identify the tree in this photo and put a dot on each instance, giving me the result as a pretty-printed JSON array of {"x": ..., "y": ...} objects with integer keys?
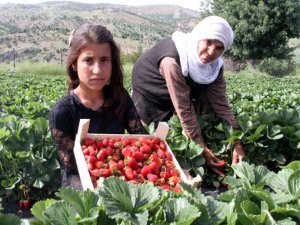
[{"x": 262, "y": 27}]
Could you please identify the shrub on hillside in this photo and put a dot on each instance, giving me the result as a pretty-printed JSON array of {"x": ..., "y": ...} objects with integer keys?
[{"x": 277, "y": 68}]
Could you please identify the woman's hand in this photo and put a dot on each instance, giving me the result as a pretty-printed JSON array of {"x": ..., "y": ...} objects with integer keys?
[
  {"x": 238, "y": 153},
  {"x": 213, "y": 162}
]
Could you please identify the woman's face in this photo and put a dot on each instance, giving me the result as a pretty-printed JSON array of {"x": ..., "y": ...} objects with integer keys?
[
  {"x": 209, "y": 50},
  {"x": 94, "y": 66}
]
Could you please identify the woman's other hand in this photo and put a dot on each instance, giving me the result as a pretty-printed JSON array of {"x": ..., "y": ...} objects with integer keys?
[
  {"x": 213, "y": 162},
  {"x": 238, "y": 153}
]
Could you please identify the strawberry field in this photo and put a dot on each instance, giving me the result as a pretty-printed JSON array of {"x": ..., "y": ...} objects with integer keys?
[{"x": 264, "y": 189}]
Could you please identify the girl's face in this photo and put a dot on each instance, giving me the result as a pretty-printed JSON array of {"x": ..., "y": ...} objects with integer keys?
[
  {"x": 94, "y": 66},
  {"x": 209, "y": 50}
]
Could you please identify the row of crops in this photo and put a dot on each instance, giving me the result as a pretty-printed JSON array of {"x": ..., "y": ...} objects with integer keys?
[{"x": 267, "y": 109}]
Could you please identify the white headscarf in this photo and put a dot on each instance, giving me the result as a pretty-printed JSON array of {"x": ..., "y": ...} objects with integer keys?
[{"x": 212, "y": 27}]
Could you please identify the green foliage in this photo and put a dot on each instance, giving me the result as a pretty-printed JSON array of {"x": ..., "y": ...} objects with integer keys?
[
  {"x": 262, "y": 28},
  {"x": 277, "y": 68}
]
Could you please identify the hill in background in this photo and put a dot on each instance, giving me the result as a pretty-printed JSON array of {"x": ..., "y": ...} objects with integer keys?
[{"x": 40, "y": 32}]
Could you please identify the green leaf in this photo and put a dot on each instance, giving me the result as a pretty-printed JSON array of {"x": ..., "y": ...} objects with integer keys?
[
  {"x": 4, "y": 133},
  {"x": 38, "y": 184},
  {"x": 252, "y": 212},
  {"x": 180, "y": 212},
  {"x": 60, "y": 213},
  {"x": 39, "y": 208},
  {"x": 216, "y": 210},
  {"x": 83, "y": 202},
  {"x": 9, "y": 219},
  {"x": 262, "y": 196},
  {"x": 284, "y": 212},
  {"x": 123, "y": 200},
  {"x": 295, "y": 165},
  {"x": 233, "y": 182},
  {"x": 194, "y": 150},
  {"x": 279, "y": 182},
  {"x": 244, "y": 122},
  {"x": 198, "y": 161},
  {"x": 231, "y": 214},
  {"x": 261, "y": 174},
  {"x": 245, "y": 172},
  {"x": 294, "y": 184}
]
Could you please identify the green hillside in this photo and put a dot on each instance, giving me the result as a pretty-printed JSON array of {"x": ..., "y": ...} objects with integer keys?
[{"x": 40, "y": 32}]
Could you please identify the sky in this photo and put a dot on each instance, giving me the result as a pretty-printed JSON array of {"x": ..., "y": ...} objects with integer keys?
[{"x": 190, "y": 4}]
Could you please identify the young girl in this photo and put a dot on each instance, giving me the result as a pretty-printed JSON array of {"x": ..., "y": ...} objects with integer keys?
[{"x": 95, "y": 92}]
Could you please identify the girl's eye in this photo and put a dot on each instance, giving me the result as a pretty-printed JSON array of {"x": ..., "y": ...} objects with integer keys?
[
  {"x": 88, "y": 60},
  {"x": 105, "y": 60}
]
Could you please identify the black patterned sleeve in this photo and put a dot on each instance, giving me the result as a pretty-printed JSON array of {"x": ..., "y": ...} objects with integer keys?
[
  {"x": 134, "y": 124},
  {"x": 65, "y": 147},
  {"x": 63, "y": 137}
]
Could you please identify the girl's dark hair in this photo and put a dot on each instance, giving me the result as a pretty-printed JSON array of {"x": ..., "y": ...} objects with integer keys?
[{"x": 114, "y": 95}]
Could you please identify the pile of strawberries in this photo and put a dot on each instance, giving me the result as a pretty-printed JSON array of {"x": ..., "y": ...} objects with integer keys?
[{"x": 141, "y": 160}]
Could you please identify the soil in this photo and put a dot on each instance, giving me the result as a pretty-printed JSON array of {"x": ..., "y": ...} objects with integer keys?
[{"x": 12, "y": 207}]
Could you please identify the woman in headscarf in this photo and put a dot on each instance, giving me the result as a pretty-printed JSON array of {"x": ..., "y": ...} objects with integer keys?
[{"x": 183, "y": 74}]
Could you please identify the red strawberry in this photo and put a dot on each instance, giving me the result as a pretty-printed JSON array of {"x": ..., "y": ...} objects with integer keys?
[
  {"x": 88, "y": 141},
  {"x": 138, "y": 156},
  {"x": 145, "y": 170},
  {"x": 152, "y": 177},
  {"x": 99, "y": 144},
  {"x": 105, "y": 172},
  {"x": 154, "y": 168},
  {"x": 132, "y": 163},
  {"x": 128, "y": 173},
  {"x": 120, "y": 164},
  {"x": 98, "y": 164},
  {"x": 21, "y": 204},
  {"x": 145, "y": 149},
  {"x": 116, "y": 157},
  {"x": 105, "y": 142},
  {"x": 95, "y": 172},
  {"x": 222, "y": 163},
  {"x": 126, "y": 151},
  {"x": 26, "y": 204},
  {"x": 162, "y": 145},
  {"x": 166, "y": 187},
  {"x": 174, "y": 180},
  {"x": 155, "y": 140}
]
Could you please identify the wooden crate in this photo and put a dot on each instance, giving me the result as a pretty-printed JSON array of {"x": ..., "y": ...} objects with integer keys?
[{"x": 161, "y": 132}]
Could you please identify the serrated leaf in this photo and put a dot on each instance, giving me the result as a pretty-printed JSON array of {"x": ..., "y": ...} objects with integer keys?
[
  {"x": 263, "y": 195},
  {"x": 279, "y": 182},
  {"x": 39, "y": 208},
  {"x": 216, "y": 209},
  {"x": 261, "y": 174},
  {"x": 194, "y": 150},
  {"x": 294, "y": 184},
  {"x": 282, "y": 198},
  {"x": 252, "y": 212},
  {"x": 245, "y": 172},
  {"x": 231, "y": 214},
  {"x": 83, "y": 202},
  {"x": 127, "y": 201},
  {"x": 60, "y": 213},
  {"x": 233, "y": 182},
  {"x": 9, "y": 219},
  {"x": 295, "y": 165},
  {"x": 180, "y": 211}
]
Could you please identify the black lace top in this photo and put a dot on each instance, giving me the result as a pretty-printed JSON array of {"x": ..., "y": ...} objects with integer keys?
[{"x": 64, "y": 120}]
